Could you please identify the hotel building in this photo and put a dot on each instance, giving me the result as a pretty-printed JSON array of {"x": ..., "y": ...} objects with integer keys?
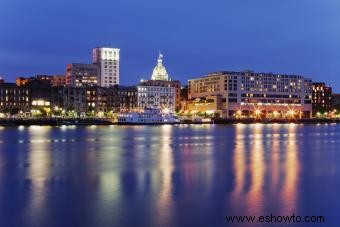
[
  {"x": 249, "y": 94},
  {"x": 160, "y": 91},
  {"x": 108, "y": 61}
]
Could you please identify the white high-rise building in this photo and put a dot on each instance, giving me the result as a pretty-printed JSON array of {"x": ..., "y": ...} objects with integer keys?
[{"x": 108, "y": 61}]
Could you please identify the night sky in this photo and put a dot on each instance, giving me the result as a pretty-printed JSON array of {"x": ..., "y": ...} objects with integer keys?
[{"x": 196, "y": 37}]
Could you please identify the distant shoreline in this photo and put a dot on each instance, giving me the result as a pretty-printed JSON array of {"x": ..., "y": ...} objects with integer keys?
[{"x": 103, "y": 121}]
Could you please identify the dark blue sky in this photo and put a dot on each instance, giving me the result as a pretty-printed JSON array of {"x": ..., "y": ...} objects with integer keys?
[{"x": 196, "y": 37}]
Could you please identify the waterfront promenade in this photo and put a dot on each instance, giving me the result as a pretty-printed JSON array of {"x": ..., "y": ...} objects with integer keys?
[{"x": 110, "y": 121}]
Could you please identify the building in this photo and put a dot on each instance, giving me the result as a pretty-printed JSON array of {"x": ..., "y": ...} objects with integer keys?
[
  {"x": 156, "y": 97},
  {"x": 21, "y": 81},
  {"x": 249, "y": 94},
  {"x": 183, "y": 98},
  {"x": 14, "y": 99},
  {"x": 82, "y": 75},
  {"x": 164, "y": 83},
  {"x": 40, "y": 95},
  {"x": 336, "y": 101},
  {"x": 159, "y": 72},
  {"x": 160, "y": 91},
  {"x": 108, "y": 61},
  {"x": 127, "y": 98},
  {"x": 88, "y": 101},
  {"x": 46, "y": 79},
  {"x": 58, "y": 80},
  {"x": 321, "y": 97},
  {"x": 29, "y": 95},
  {"x": 54, "y": 80}
]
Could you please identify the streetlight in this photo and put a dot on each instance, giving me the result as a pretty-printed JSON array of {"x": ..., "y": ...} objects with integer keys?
[
  {"x": 257, "y": 113},
  {"x": 275, "y": 113},
  {"x": 291, "y": 113}
]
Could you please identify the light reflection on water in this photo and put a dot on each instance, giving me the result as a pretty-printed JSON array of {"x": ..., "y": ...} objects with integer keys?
[
  {"x": 39, "y": 163},
  {"x": 166, "y": 175}
]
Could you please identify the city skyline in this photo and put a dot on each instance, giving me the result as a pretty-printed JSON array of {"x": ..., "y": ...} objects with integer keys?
[{"x": 220, "y": 36}]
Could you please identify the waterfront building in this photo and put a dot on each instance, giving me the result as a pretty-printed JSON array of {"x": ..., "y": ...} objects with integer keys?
[
  {"x": 127, "y": 96},
  {"x": 108, "y": 61},
  {"x": 183, "y": 98},
  {"x": 321, "y": 98},
  {"x": 90, "y": 101},
  {"x": 156, "y": 97},
  {"x": 79, "y": 75},
  {"x": 57, "y": 97},
  {"x": 336, "y": 101},
  {"x": 162, "y": 84},
  {"x": 14, "y": 99},
  {"x": 249, "y": 94},
  {"x": 40, "y": 95},
  {"x": 28, "y": 95},
  {"x": 161, "y": 91}
]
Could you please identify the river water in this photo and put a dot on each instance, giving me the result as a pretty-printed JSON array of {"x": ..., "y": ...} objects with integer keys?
[{"x": 186, "y": 175}]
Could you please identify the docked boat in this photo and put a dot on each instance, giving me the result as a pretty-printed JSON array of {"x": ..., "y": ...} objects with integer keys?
[{"x": 148, "y": 116}]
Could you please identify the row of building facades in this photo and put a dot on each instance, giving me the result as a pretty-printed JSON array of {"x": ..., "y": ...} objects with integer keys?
[
  {"x": 89, "y": 89},
  {"x": 94, "y": 89}
]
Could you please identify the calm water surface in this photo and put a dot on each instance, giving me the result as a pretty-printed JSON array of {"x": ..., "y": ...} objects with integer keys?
[{"x": 167, "y": 175}]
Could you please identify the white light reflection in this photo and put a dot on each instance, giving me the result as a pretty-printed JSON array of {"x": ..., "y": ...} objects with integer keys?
[
  {"x": 163, "y": 204},
  {"x": 110, "y": 186},
  {"x": 39, "y": 160}
]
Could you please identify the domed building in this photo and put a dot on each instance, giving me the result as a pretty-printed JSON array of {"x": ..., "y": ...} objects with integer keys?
[
  {"x": 159, "y": 72},
  {"x": 161, "y": 91}
]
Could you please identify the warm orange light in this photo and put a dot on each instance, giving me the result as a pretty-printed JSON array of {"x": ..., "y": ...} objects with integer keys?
[{"x": 275, "y": 113}]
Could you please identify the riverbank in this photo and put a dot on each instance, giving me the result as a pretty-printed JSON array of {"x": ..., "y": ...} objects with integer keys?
[
  {"x": 54, "y": 121},
  {"x": 108, "y": 121}
]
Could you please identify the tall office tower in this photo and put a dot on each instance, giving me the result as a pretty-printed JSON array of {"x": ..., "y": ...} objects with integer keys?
[{"x": 108, "y": 61}]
